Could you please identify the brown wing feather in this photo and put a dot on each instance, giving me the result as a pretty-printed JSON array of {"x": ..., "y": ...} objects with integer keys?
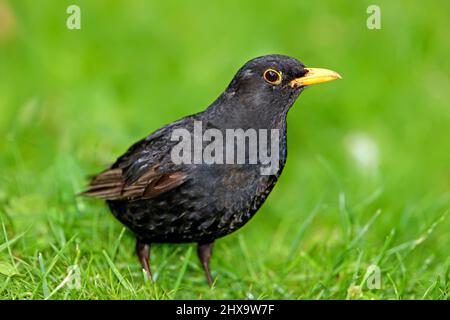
[{"x": 111, "y": 185}]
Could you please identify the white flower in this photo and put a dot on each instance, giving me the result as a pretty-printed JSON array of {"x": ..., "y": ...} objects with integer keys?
[{"x": 364, "y": 151}]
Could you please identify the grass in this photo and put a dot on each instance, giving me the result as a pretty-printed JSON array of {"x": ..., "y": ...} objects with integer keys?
[{"x": 72, "y": 101}]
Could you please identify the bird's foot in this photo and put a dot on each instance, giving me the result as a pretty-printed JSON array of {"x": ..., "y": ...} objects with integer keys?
[{"x": 204, "y": 251}]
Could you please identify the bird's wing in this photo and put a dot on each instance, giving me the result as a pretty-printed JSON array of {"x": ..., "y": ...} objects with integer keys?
[
  {"x": 145, "y": 171},
  {"x": 111, "y": 185}
]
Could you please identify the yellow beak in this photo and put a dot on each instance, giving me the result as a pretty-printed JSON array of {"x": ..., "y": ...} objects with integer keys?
[{"x": 314, "y": 76}]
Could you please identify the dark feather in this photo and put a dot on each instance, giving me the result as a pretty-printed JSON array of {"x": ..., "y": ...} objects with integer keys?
[{"x": 111, "y": 185}]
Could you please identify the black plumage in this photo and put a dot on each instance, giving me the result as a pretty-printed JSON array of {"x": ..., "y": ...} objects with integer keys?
[{"x": 164, "y": 202}]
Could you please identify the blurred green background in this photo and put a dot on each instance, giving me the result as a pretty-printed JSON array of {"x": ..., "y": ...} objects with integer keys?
[{"x": 367, "y": 179}]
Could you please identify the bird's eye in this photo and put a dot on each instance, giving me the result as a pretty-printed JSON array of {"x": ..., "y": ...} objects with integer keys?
[{"x": 272, "y": 76}]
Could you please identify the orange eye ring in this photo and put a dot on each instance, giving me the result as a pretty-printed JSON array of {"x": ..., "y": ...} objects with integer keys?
[{"x": 272, "y": 76}]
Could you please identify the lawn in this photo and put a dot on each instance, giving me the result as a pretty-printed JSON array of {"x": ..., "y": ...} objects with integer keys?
[{"x": 367, "y": 181}]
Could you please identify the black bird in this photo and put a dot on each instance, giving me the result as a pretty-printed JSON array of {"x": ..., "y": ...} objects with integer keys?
[{"x": 165, "y": 201}]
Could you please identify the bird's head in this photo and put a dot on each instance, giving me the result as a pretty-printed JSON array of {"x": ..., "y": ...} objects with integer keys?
[{"x": 275, "y": 81}]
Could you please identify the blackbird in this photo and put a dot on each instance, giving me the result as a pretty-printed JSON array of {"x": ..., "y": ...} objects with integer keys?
[{"x": 165, "y": 201}]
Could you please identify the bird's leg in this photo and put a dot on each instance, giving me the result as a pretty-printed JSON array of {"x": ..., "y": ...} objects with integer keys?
[
  {"x": 204, "y": 251},
  {"x": 143, "y": 253}
]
